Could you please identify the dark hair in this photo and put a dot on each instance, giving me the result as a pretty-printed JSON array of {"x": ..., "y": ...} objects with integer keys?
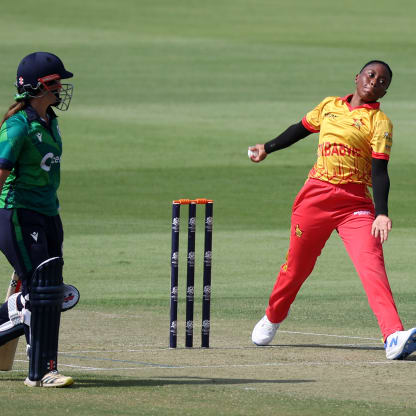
[{"x": 376, "y": 61}]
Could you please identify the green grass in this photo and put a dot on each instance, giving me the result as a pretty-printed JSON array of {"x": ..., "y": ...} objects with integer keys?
[{"x": 168, "y": 95}]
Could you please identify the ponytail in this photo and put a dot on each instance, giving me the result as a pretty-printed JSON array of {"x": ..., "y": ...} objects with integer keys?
[{"x": 13, "y": 109}]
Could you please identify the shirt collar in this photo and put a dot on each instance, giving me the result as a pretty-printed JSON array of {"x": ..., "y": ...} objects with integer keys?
[
  {"x": 32, "y": 115},
  {"x": 371, "y": 106}
]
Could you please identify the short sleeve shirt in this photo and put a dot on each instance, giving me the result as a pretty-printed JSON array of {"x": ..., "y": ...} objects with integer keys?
[
  {"x": 349, "y": 137},
  {"x": 31, "y": 150}
]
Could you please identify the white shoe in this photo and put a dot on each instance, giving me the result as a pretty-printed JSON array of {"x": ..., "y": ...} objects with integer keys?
[
  {"x": 264, "y": 331},
  {"x": 400, "y": 344},
  {"x": 51, "y": 379}
]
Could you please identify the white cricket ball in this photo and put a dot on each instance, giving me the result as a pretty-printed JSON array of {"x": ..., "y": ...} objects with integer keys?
[{"x": 252, "y": 153}]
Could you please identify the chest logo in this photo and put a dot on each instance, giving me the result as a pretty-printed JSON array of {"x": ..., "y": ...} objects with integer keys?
[
  {"x": 48, "y": 160},
  {"x": 357, "y": 123},
  {"x": 39, "y": 136},
  {"x": 331, "y": 116},
  {"x": 298, "y": 231},
  {"x": 35, "y": 235}
]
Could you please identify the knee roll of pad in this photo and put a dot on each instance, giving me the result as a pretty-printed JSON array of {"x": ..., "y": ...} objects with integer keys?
[{"x": 46, "y": 296}]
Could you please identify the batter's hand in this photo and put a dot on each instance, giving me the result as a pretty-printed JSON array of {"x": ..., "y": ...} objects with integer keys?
[
  {"x": 381, "y": 227},
  {"x": 259, "y": 153}
]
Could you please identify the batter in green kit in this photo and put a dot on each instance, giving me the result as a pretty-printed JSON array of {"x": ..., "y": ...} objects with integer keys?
[{"x": 31, "y": 229}]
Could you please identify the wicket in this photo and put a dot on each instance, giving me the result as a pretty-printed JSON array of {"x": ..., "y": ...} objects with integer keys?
[{"x": 190, "y": 274}]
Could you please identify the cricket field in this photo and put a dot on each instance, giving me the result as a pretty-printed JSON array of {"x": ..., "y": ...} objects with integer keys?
[{"x": 168, "y": 95}]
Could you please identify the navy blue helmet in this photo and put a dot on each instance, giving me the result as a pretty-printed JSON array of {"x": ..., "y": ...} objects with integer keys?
[{"x": 41, "y": 72}]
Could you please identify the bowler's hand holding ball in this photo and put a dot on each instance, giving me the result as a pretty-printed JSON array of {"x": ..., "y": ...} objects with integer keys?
[{"x": 257, "y": 153}]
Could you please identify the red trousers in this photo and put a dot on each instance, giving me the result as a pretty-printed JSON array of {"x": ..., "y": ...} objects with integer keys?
[{"x": 319, "y": 208}]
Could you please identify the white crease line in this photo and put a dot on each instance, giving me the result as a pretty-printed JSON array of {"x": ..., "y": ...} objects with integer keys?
[
  {"x": 329, "y": 335},
  {"x": 378, "y": 342},
  {"x": 76, "y": 366},
  {"x": 213, "y": 349},
  {"x": 231, "y": 348},
  {"x": 115, "y": 351},
  {"x": 185, "y": 367}
]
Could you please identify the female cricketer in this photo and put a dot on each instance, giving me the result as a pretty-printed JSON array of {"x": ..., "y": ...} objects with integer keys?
[
  {"x": 32, "y": 235},
  {"x": 355, "y": 138}
]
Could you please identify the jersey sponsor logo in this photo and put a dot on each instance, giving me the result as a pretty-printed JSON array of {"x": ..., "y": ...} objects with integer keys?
[
  {"x": 340, "y": 149},
  {"x": 35, "y": 236},
  {"x": 332, "y": 116},
  {"x": 48, "y": 160},
  {"x": 362, "y": 213}
]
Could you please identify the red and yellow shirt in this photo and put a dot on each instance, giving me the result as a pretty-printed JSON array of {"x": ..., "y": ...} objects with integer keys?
[{"x": 348, "y": 138}]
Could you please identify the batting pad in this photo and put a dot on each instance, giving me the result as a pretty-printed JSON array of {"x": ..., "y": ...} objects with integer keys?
[{"x": 46, "y": 296}]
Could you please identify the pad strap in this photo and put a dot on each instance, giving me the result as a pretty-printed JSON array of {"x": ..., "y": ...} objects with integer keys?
[
  {"x": 15, "y": 315},
  {"x": 14, "y": 327}
]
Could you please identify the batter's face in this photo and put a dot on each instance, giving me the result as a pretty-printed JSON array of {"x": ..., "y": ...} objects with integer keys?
[{"x": 372, "y": 82}]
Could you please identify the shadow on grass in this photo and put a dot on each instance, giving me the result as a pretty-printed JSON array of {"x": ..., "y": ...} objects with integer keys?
[{"x": 81, "y": 382}]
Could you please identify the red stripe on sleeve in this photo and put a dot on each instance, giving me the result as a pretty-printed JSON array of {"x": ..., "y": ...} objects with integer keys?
[
  {"x": 380, "y": 156},
  {"x": 308, "y": 126}
]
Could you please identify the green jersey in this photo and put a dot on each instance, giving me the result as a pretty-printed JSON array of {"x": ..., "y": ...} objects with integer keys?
[{"x": 31, "y": 150}]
